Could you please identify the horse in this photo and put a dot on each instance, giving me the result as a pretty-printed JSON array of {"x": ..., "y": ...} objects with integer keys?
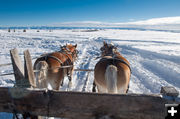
[
  {"x": 112, "y": 72},
  {"x": 50, "y": 69}
]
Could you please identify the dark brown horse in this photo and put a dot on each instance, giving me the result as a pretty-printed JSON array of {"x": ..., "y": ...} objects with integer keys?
[
  {"x": 50, "y": 69},
  {"x": 112, "y": 72}
]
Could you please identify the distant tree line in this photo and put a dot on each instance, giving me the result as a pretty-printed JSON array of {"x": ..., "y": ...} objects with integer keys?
[{"x": 24, "y": 30}]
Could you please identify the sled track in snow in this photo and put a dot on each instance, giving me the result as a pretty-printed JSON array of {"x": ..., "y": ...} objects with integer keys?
[{"x": 152, "y": 70}]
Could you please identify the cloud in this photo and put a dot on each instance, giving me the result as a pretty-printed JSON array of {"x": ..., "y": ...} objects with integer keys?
[
  {"x": 158, "y": 21},
  {"x": 154, "y": 21}
]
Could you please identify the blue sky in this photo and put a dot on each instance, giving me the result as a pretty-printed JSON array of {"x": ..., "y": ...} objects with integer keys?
[{"x": 45, "y": 12}]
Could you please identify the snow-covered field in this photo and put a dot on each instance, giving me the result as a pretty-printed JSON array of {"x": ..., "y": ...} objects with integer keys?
[{"x": 154, "y": 56}]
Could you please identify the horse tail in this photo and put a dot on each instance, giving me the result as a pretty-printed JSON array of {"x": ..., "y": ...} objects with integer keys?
[
  {"x": 111, "y": 79},
  {"x": 41, "y": 74}
]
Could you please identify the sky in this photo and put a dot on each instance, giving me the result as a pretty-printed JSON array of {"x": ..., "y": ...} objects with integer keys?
[{"x": 47, "y": 12}]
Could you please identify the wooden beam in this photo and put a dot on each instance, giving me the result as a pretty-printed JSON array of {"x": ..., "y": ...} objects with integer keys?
[
  {"x": 17, "y": 67},
  {"x": 28, "y": 69},
  {"x": 82, "y": 105}
]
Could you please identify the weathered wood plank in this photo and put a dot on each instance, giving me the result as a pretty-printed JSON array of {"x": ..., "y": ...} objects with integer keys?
[
  {"x": 17, "y": 67},
  {"x": 28, "y": 68},
  {"x": 82, "y": 105}
]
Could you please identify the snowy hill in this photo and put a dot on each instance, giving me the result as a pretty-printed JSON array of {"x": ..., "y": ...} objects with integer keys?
[
  {"x": 162, "y": 24},
  {"x": 168, "y": 24}
]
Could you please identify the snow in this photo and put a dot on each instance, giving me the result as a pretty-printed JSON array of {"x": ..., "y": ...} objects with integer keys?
[{"x": 154, "y": 55}]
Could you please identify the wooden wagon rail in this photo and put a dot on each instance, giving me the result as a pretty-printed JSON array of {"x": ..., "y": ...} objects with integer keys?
[{"x": 82, "y": 105}]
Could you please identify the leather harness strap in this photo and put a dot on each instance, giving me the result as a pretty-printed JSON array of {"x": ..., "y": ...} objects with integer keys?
[
  {"x": 54, "y": 57},
  {"x": 123, "y": 61},
  {"x": 57, "y": 59},
  {"x": 120, "y": 60},
  {"x": 66, "y": 55}
]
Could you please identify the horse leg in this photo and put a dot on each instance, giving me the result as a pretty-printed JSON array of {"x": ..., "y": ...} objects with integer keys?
[
  {"x": 59, "y": 80},
  {"x": 69, "y": 74},
  {"x": 127, "y": 89},
  {"x": 101, "y": 89},
  {"x": 70, "y": 82},
  {"x": 62, "y": 82},
  {"x": 122, "y": 89},
  {"x": 94, "y": 87}
]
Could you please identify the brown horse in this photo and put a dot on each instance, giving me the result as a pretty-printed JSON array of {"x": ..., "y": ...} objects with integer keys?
[
  {"x": 112, "y": 72},
  {"x": 50, "y": 69}
]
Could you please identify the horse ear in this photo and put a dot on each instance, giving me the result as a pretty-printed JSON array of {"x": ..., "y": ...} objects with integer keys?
[{"x": 75, "y": 45}]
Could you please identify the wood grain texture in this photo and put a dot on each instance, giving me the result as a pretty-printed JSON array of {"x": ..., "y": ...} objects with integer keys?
[
  {"x": 28, "y": 68},
  {"x": 17, "y": 67},
  {"x": 82, "y": 105}
]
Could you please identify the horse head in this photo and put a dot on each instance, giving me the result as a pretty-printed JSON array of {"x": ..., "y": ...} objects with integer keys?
[
  {"x": 70, "y": 49},
  {"x": 108, "y": 49}
]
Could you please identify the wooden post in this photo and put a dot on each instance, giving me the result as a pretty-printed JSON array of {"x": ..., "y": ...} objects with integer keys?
[
  {"x": 24, "y": 76},
  {"x": 17, "y": 67},
  {"x": 29, "y": 74}
]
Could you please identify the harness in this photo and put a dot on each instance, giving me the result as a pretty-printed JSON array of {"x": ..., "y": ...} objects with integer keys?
[
  {"x": 46, "y": 56},
  {"x": 112, "y": 61},
  {"x": 57, "y": 59}
]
